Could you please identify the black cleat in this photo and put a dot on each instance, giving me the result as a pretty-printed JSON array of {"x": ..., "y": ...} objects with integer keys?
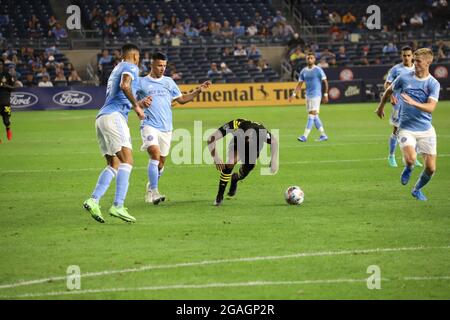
[
  {"x": 218, "y": 201},
  {"x": 233, "y": 185}
]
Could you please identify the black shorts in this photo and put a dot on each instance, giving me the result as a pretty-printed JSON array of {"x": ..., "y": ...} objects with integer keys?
[{"x": 247, "y": 149}]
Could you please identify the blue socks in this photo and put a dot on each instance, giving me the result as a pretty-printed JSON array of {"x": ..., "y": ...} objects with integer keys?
[
  {"x": 123, "y": 176},
  {"x": 104, "y": 180},
  {"x": 311, "y": 120},
  {"x": 153, "y": 173},
  {"x": 424, "y": 178},
  {"x": 392, "y": 144},
  {"x": 317, "y": 122}
]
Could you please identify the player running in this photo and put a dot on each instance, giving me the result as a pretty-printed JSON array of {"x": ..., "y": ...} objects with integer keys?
[
  {"x": 248, "y": 140},
  {"x": 313, "y": 76},
  {"x": 113, "y": 134},
  {"x": 156, "y": 128},
  {"x": 419, "y": 92},
  {"x": 6, "y": 87},
  {"x": 404, "y": 67}
]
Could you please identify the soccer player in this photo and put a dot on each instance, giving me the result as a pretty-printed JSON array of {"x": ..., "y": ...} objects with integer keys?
[
  {"x": 419, "y": 92},
  {"x": 156, "y": 128},
  {"x": 6, "y": 87},
  {"x": 406, "y": 66},
  {"x": 313, "y": 76},
  {"x": 113, "y": 134},
  {"x": 248, "y": 140}
]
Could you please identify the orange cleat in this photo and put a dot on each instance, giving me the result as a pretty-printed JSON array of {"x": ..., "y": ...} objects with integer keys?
[{"x": 9, "y": 133}]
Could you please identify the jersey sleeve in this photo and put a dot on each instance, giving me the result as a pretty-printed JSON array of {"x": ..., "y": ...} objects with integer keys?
[
  {"x": 175, "y": 90},
  {"x": 322, "y": 74},
  {"x": 392, "y": 74},
  {"x": 131, "y": 70},
  {"x": 434, "y": 88}
]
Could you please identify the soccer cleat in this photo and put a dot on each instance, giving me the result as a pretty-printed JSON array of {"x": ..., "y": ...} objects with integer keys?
[
  {"x": 218, "y": 201},
  {"x": 406, "y": 174},
  {"x": 148, "y": 194},
  {"x": 418, "y": 195},
  {"x": 323, "y": 137},
  {"x": 157, "y": 198},
  {"x": 121, "y": 213},
  {"x": 417, "y": 163},
  {"x": 392, "y": 161},
  {"x": 233, "y": 185},
  {"x": 94, "y": 209},
  {"x": 302, "y": 139},
  {"x": 9, "y": 133}
]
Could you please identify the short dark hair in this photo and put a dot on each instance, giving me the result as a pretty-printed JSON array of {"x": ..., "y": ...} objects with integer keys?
[
  {"x": 406, "y": 48},
  {"x": 159, "y": 56},
  {"x": 128, "y": 48}
]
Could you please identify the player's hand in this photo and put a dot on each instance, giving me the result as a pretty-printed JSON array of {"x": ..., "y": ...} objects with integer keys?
[
  {"x": 205, "y": 86},
  {"x": 146, "y": 102},
  {"x": 394, "y": 100},
  {"x": 325, "y": 99},
  {"x": 219, "y": 163},
  {"x": 139, "y": 112},
  {"x": 380, "y": 112},
  {"x": 408, "y": 99}
]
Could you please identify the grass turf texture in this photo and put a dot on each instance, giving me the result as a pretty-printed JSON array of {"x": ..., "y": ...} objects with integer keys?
[{"x": 354, "y": 200}]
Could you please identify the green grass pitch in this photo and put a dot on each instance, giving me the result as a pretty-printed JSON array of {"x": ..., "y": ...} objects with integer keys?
[{"x": 356, "y": 214}]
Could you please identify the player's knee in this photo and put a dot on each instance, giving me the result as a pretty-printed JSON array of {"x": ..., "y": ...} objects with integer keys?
[{"x": 430, "y": 170}]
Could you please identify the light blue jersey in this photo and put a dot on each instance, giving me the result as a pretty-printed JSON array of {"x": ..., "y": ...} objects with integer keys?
[
  {"x": 116, "y": 101},
  {"x": 411, "y": 118},
  {"x": 313, "y": 79},
  {"x": 163, "y": 90},
  {"x": 393, "y": 74}
]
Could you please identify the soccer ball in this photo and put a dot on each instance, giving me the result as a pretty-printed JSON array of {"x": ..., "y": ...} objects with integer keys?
[{"x": 294, "y": 195}]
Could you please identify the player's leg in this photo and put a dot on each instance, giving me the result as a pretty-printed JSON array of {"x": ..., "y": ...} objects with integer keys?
[
  {"x": 309, "y": 122},
  {"x": 153, "y": 174},
  {"x": 408, "y": 142},
  {"x": 315, "y": 109},
  {"x": 392, "y": 145},
  {"x": 164, "y": 140},
  {"x": 225, "y": 174},
  {"x": 427, "y": 146},
  {"x": 6, "y": 115}
]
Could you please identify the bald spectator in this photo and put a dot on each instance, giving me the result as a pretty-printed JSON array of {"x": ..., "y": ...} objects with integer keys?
[{"x": 213, "y": 71}]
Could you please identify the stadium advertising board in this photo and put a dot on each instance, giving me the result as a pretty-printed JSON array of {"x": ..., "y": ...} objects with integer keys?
[{"x": 219, "y": 95}]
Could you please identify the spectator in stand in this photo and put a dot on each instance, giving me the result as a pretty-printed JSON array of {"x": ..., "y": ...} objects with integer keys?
[
  {"x": 215, "y": 28},
  {"x": 286, "y": 30},
  {"x": 278, "y": 17},
  {"x": 106, "y": 58},
  {"x": 126, "y": 29},
  {"x": 254, "y": 53},
  {"x": 264, "y": 31},
  {"x": 258, "y": 19},
  {"x": 227, "y": 52},
  {"x": 29, "y": 80},
  {"x": 45, "y": 82},
  {"x": 60, "y": 77},
  {"x": 377, "y": 61},
  {"x": 341, "y": 56},
  {"x": 390, "y": 48},
  {"x": 401, "y": 23},
  {"x": 278, "y": 30},
  {"x": 52, "y": 22},
  {"x": 145, "y": 19},
  {"x": 334, "y": 18},
  {"x": 238, "y": 29},
  {"x": 156, "y": 40},
  {"x": 73, "y": 76},
  {"x": 190, "y": 31},
  {"x": 58, "y": 32},
  {"x": 175, "y": 75},
  {"x": 224, "y": 68},
  {"x": 323, "y": 63},
  {"x": 296, "y": 55},
  {"x": 364, "y": 61},
  {"x": 251, "y": 65},
  {"x": 178, "y": 30},
  {"x": 227, "y": 31},
  {"x": 213, "y": 71},
  {"x": 201, "y": 26},
  {"x": 295, "y": 41},
  {"x": 239, "y": 51},
  {"x": 252, "y": 29},
  {"x": 349, "y": 20},
  {"x": 332, "y": 62},
  {"x": 336, "y": 33},
  {"x": 443, "y": 51},
  {"x": 262, "y": 65},
  {"x": 416, "y": 21}
]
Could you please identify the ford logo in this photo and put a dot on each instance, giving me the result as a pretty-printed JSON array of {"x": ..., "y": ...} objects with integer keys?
[
  {"x": 23, "y": 99},
  {"x": 72, "y": 98}
]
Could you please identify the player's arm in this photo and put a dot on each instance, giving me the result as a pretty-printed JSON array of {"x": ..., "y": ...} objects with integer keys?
[
  {"x": 387, "y": 93},
  {"x": 325, "y": 94},
  {"x": 296, "y": 91},
  {"x": 185, "y": 98},
  {"x": 8, "y": 85},
  {"x": 212, "y": 140},
  {"x": 429, "y": 106},
  {"x": 125, "y": 86}
]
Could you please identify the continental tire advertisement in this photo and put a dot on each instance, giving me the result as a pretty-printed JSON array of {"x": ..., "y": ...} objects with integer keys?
[{"x": 243, "y": 95}]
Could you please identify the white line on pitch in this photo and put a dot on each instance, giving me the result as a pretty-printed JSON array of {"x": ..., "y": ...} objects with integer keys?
[
  {"x": 215, "y": 285},
  {"x": 221, "y": 261},
  {"x": 203, "y": 165}
]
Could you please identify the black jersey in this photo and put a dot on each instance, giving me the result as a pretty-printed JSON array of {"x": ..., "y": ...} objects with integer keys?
[
  {"x": 5, "y": 92},
  {"x": 245, "y": 126}
]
